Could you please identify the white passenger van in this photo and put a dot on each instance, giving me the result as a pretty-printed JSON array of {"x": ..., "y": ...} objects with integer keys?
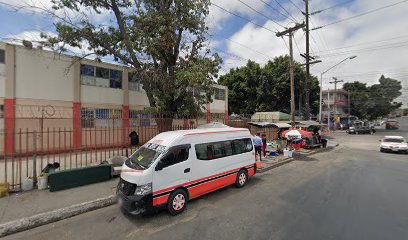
[{"x": 177, "y": 166}]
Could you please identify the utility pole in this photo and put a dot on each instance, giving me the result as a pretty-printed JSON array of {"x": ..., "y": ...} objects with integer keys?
[
  {"x": 348, "y": 119},
  {"x": 290, "y": 32},
  {"x": 335, "y": 94},
  {"x": 307, "y": 84}
]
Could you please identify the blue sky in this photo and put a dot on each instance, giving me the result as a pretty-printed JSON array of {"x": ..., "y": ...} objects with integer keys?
[{"x": 376, "y": 39}]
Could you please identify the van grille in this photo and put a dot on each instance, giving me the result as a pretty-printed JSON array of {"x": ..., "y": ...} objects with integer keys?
[{"x": 126, "y": 188}]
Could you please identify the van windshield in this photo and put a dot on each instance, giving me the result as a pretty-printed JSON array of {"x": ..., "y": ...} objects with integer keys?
[{"x": 142, "y": 158}]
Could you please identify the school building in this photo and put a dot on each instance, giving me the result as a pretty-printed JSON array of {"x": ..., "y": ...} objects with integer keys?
[{"x": 43, "y": 91}]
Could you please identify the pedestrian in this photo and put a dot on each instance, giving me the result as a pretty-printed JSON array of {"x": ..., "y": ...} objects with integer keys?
[
  {"x": 258, "y": 145},
  {"x": 264, "y": 144},
  {"x": 134, "y": 138}
]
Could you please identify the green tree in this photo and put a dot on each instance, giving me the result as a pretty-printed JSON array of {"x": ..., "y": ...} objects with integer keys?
[
  {"x": 252, "y": 88},
  {"x": 359, "y": 98},
  {"x": 162, "y": 40},
  {"x": 378, "y": 100}
]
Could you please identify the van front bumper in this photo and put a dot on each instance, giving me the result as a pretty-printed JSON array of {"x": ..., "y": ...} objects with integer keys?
[{"x": 135, "y": 204}]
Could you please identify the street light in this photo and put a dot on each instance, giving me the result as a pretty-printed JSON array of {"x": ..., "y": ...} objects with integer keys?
[{"x": 321, "y": 84}]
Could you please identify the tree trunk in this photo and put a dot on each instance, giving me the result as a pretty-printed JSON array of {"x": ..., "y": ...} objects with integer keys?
[{"x": 164, "y": 124}]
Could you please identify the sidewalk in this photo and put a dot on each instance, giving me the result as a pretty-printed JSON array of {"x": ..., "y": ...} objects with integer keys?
[{"x": 26, "y": 204}]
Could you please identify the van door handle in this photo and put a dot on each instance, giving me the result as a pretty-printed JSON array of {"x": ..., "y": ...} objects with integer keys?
[{"x": 186, "y": 170}]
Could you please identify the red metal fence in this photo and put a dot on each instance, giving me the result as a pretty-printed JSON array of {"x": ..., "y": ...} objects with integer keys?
[{"x": 34, "y": 149}]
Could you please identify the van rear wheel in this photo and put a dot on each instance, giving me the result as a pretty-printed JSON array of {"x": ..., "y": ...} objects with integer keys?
[
  {"x": 177, "y": 202},
  {"x": 242, "y": 179}
]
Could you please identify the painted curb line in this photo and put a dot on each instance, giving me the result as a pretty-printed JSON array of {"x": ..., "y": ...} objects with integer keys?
[{"x": 37, "y": 220}]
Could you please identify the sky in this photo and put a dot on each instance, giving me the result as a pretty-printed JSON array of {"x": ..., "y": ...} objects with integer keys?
[{"x": 242, "y": 30}]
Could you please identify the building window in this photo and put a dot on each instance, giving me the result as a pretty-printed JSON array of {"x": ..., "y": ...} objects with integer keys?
[
  {"x": 139, "y": 118},
  {"x": 87, "y": 118},
  {"x": 134, "y": 82},
  {"x": 1, "y": 111},
  {"x": 100, "y": 77},
  {"x": 210, "y": 151},
  {"x": 2, "y": 56},
  {"x": 219, "y": 94},
  {"x": 115, "y": 79},
  {"x": 101, "y": 117}
]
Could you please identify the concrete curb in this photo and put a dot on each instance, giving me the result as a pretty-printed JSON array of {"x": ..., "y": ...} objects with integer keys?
[
  {"x": 288, "y": 160},
  {"x": 34, "y": 221}
]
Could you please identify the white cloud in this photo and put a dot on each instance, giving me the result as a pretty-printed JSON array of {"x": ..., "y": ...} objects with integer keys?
[
  {"x": 218, "y": 16},
  {"x": 388, "y": 57}
]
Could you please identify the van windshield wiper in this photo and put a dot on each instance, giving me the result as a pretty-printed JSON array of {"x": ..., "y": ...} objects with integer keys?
[{"x": 140, "y": 165}]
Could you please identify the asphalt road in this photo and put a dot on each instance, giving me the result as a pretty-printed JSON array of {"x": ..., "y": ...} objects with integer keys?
[{"x": 352, "y": 192}]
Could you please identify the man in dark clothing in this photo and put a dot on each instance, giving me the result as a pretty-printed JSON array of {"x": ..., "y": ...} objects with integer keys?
[
  {"x": 264, "y": 144},
  {"x": 134, "y": 138}
]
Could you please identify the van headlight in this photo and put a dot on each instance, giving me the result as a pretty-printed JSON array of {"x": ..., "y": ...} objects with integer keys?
[{"x": 143, "y": 189}]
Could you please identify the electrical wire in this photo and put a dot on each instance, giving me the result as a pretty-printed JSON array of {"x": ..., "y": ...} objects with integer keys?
[
  {"x": 360, "y": 15},
  {"x": 365, "y": 43},
  {"x": 260, "y": 13},
  {"x": 242, "y": 45},
  {"x": 336, "y": 5},
  {"x": 284, "y": 9},
  {"x": 276, "y": 10},
  {"x": 246, "y": 19},
  {"x": 295, "y": 6}
]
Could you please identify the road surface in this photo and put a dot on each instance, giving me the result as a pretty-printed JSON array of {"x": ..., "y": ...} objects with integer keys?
[{"x": 352, "y": 192}]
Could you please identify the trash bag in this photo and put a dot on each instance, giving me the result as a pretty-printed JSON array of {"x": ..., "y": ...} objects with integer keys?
[
  {"x": 50, "y": 167},
  {"x": 324, "y": 142}
]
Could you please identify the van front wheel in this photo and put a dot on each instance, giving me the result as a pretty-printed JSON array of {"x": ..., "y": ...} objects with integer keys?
[
  {"x": 242, "y": 179},
  {"x": 177, "y": 202}
]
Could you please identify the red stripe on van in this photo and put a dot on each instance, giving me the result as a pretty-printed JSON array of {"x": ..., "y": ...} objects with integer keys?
[
  {"x": 203, "y": 133},
  {"x": 211, "y": 186},
  {"x": 160, "y": 200},
  {"x": 199, "y": 180}
]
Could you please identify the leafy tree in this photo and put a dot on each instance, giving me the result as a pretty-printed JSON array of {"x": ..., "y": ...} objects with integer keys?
[
  {"x": 252, "y": 88},
  {"x": 162, "y": 40},
  {"x": 378, "y": 100}
]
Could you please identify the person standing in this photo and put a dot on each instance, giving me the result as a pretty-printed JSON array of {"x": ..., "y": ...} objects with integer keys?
[
  {"x": 264, "y": 144},
  {"x": 258, "y": 145}
]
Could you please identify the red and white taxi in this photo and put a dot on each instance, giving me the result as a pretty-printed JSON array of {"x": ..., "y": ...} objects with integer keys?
[{"x": 394, "y": 144}]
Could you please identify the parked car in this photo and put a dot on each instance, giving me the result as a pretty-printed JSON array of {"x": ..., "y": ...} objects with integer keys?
[
  {"x": 398, "y": 115},
  {"x": 391, "y": 124},
  {"x": 361, "y": 130},
  {"x": 394, "y": 144}
]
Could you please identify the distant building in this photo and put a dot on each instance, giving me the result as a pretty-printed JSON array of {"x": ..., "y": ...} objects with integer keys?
[{"x": 338, "y": 102}]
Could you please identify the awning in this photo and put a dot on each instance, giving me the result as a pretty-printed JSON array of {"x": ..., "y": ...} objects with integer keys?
[
  {"x": 269, "y": 124},
  {"x": 261, "y": 124},
  {"x": 282, "y": 125}
]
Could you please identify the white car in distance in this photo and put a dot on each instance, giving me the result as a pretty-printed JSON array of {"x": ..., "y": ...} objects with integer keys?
[{"x": 394, "y": 144}]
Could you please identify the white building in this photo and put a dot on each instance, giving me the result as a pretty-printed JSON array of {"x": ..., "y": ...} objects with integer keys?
[{"x": 40, "y": 89}]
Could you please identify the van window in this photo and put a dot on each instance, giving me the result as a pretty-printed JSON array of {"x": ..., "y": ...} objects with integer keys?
[
  {"x": 175, "y": 156},
  {"x": 214, "y": 150}
]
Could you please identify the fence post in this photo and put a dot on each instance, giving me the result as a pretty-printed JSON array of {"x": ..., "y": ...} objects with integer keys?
[
  {"x": 127, "y": 141},
  {"x": 35, "y": 157}
]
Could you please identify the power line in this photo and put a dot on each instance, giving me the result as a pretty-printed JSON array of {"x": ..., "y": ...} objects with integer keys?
[
  {"x": 242, "y": 45},
  {"x": 364, "y": 43},
  {"x": 284, "y": 9},
  {"x": 336, "y": 5},
  {"x": 370, "y": 49},
  {"x": 360, "y": 15},
  {"x": 276, "y": 10},
  {"x": 260, "y": 13},
  {"x": 246, "y": 19},
  {"x": 295, "y": 6}
]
